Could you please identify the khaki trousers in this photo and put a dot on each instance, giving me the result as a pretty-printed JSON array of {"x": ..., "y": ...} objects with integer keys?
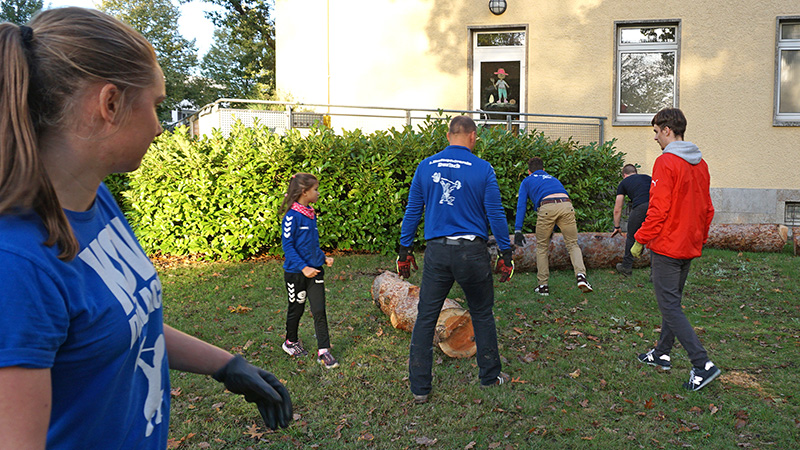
[{"x": 550, "y": 215}]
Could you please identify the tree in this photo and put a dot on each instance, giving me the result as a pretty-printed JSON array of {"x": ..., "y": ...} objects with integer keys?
[
  {"x": 157, "y": 20},
  {"x": 19, "y": 11},
  {"x": 242, "y": 59}
]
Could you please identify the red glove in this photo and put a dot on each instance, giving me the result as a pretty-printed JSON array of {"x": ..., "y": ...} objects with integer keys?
[
  {"x": 505, "y": 266},
  {"x": 404, "y": 262}
]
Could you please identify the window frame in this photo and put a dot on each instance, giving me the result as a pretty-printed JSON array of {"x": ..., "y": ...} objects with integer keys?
[
  {"x": 628, "y": 119},
  {"x": 474, "y": 52},
  {"x": 783, "y": 119}
]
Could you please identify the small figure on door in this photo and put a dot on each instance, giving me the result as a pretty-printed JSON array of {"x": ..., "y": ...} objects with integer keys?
[{"x": 501, "y": 85}]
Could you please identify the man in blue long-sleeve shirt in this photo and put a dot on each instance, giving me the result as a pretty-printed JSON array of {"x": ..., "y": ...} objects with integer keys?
[
  {"x": 457, "y": 191},
  {"x": 554, "y": 208}
]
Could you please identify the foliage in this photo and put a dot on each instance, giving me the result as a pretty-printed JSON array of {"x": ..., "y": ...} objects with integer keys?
[
  {"x": 157, "y": 20},
  {"x": 19, "y": 12},
  {"x": 241, "y": 61},
  {"x": 575, "y": 381},
  {"x": 220, "y": 196}
]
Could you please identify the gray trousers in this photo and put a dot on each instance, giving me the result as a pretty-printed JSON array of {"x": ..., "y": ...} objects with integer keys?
[{"x": 669, "y": 277}]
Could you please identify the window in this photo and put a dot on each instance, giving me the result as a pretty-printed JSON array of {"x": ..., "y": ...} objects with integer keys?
[
  {"x": 646, "y": 73},
  {"x": 498, "y": 75},
  {"x": 787, "y": 77},
  {"x": 791, "y": 214}
]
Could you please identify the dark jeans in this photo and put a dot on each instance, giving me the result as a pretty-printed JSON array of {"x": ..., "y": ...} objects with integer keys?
[
  {"x": 669, "y": 277},
  {"x": 468, "y": 264},
  {"x": 299, "y": 289},
  {"x": 635, "y": 221}
]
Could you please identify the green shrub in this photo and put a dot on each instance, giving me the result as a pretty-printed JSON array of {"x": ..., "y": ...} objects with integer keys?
[{"x": 219, "y": 197}]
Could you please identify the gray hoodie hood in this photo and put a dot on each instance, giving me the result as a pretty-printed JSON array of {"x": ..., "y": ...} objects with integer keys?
[{"x": 686, "y": 150}]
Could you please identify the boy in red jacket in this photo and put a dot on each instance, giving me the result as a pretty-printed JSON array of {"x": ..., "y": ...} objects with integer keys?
[{"x": 675, "y": 230}]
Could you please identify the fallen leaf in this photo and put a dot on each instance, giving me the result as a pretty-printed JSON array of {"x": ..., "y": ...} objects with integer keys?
[
  {"x": 494, "y": 445},
  {"x": 696, "y": 410},
  {"x": 519, "y": 330},
  {"x": 367, "y": 437},
  {"x": 713, "y": 409},
  {"x": 584, "y": 403},
  {"x": 575, "y": 374},
  {"x": 204, "y": 445},
  {"x": 649, "y": 404},
  {"x": 470, "y": 446},
  {"x": 175, "y": 392},
  {"x": 218, "y": 406},
  {"x": 426, "y": 441},
  {"x": 253, "y": 433},
  {"x": 239, "y": 309}
]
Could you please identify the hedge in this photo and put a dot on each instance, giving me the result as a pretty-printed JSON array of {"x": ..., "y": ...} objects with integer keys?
[{"x": 219, "y": 197}]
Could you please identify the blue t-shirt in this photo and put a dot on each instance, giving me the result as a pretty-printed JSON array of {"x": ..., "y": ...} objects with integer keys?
[
  {"x": 457, "y": 191},
  {"x": 94, "y": 321},
  {"x": 636, "y": 187},
  {"x": 300, "y": 240},
  {"x": 535, "y": 187}
]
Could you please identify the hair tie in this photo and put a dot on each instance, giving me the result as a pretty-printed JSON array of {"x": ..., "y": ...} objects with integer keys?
[{"x": 26, "y": 33}]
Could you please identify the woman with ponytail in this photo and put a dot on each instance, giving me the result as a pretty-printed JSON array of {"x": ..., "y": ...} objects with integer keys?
[{"x": 84, "y": 353}]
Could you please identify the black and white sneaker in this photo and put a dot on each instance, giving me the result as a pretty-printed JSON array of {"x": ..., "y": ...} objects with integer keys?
[
  {"x": 327, "y": 360},
  {"x": 583, "y": 285},
  {"x": 503, "y": 378},
  {"x": 660, "y": 361},
  {"x": 701, "y": 376},
  {"x": 542, "y": 289},
  {"x": 294, "y": 348}
]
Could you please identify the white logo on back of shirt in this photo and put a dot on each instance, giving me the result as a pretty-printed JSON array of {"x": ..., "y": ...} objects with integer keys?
[{"x": 447, "y": 188}]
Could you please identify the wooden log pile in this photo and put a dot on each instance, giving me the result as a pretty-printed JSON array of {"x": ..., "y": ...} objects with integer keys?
[
  {"x": 745, "y": 237},
  {"x": 398, "y": 299},
  {"x": 600, "y": 250}
]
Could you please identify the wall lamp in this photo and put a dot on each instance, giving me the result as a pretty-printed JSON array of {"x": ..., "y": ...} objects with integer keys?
[{"x": 497, "y": 7}]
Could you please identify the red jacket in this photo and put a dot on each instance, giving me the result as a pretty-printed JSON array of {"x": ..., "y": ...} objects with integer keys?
[{"x": 680, "y": 209}]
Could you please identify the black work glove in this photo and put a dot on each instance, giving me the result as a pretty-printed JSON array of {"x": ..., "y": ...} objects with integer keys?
[
  {"x": 260, "y": 387},
  {"x": 505, "y": 265},
  {"x": 519, "y": 239},
  {"x": 404, "y": 262}
]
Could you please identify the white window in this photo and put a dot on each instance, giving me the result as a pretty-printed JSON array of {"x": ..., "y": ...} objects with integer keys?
[
  {"x": 646, "y": 72},
  {"x": 787, "y": 77},
  {"x": 498, "y": 72}
]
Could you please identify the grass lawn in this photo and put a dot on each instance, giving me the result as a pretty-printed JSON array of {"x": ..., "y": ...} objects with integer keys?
[{"x": 576, "y": 381}]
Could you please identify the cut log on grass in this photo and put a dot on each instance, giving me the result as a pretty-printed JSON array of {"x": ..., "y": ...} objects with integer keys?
[
  {"x": 743, "y": 237},
  {"x": 600, "y": 250},
  {"x": 398, "y": 299}
]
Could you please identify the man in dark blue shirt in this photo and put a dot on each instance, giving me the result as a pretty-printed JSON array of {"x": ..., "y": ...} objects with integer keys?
[
  {"x": 637, "y": 187},
  {"x": 550, "y": 199},
  {"x": 457, "y": 191}
]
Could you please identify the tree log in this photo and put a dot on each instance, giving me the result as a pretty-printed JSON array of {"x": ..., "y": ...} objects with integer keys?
[
  {"x": 744, "y": 237},
  {"x": 796, "y": 239},
  {"x": 399, "y": 299},
  {"x": 600, "y": 250}
]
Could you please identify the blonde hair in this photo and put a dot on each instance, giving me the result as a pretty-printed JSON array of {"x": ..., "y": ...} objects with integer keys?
[
  {"x": 299, "y": 183},
  {"x": 45, "y": 69}
]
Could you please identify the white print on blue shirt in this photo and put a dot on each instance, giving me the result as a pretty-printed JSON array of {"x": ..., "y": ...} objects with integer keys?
[
  {"x": 117, "y": 259},
  {"x": 452, "y": 163},
  {"x": 287, "y": 227},
  {"x": 447, "y": 188}
]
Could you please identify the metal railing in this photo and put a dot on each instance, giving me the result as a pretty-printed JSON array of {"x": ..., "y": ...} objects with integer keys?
[{"x": 284, "y": 116}]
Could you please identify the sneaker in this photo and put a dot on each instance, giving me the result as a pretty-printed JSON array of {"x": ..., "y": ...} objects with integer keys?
[
  {"x": 660, "y": 361},
  {"x": 294, "y": 348},
  {"x": 701, "y": 376},
  {"x": 501, "y": 379},
  {"x": 623, "y": 270},
  {"x": 420, "y": 398},
  {"x": 542, "y": 289},
  {"x": 327, "y": 360},
  {"x": 583, "y": 285}
]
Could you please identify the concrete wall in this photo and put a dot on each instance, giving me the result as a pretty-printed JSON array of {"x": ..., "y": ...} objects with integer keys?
[{"x": 415, "y": 53}]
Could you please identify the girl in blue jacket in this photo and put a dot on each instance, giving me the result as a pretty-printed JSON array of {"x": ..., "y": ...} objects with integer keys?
[{"x": 303, "y": 270}]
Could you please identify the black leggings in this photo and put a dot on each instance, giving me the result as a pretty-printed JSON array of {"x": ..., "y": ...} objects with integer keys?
[{"x": 299, "y": 289}]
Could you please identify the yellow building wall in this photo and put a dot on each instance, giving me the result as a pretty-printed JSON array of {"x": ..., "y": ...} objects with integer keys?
[{"x": 415, "y": 53}]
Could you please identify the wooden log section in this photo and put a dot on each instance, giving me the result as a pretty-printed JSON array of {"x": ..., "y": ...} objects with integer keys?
[
  {"x": 600, "y": 250},
  {"x": 744, "y": 237},
  {"x": 398, "y": 299},
  {"x": 796, "y": 239}
]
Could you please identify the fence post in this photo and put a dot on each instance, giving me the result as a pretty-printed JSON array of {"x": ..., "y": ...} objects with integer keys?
[
  {"x": 508, "y": 123},
  {"x": 602, "y": 132},
  {"x": 408, "y": 117},
  {"x": 289, "y": 117}
]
